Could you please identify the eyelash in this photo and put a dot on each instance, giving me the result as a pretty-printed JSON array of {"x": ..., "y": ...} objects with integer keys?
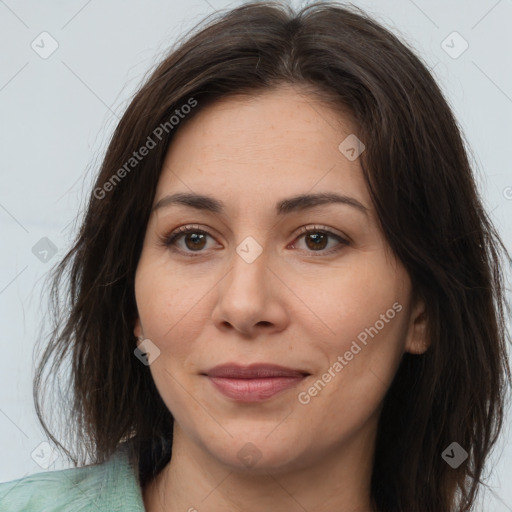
[{"x": 171, "y": 239}]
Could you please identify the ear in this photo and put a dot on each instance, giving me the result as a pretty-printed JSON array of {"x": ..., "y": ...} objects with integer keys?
[
  {"x": 137, "y": 330},
  {"x": 416, "y": 341}
]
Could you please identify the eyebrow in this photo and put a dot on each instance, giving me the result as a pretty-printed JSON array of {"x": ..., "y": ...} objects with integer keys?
[{"x": 283, "y": 207}]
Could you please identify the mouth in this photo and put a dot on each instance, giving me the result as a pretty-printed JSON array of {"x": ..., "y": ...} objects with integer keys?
[{"x": 253, "y": 383}]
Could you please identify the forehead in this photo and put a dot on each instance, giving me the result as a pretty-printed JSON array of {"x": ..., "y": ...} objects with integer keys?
[{"x": 252, "y": 149}]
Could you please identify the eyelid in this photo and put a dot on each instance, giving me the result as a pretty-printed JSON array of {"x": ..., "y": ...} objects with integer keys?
[
  {"x": 168, "y": 240},
  {"x": 343, "y": 241},
  {"x": 315, "y": 228}
]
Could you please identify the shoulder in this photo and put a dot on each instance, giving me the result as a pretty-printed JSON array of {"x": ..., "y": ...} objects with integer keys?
[{"x": 111, "y": 486}]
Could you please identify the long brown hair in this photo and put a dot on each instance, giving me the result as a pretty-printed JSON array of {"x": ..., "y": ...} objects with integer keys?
[{"x": 417, "y": 171}]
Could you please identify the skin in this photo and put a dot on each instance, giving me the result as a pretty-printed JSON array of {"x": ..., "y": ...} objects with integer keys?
[{"x": 295, "y": 305}]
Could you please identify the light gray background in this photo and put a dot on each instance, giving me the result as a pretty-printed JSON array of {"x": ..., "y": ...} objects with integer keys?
[{"x": 58, "y": 113}]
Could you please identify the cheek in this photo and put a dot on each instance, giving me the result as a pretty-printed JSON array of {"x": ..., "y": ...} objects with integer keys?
[
  {"x": 370, "y": 293},
  {"x": 169, "y": 304},
  {"x": 363, "y": 361},
  {"x": 173, "y": 311},
  {"x": 367, "y": 323}
]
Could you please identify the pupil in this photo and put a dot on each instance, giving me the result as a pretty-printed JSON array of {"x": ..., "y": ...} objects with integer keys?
[
  {"x": 195, "y": 236},
  {"x": 315, "y": 236}
]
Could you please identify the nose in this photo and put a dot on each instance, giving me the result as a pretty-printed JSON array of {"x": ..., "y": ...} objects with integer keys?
[{"x": 250, "y": 298}]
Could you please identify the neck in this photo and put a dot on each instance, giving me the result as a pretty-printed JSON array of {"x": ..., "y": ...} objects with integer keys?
[{"x": 194, "y": 481}]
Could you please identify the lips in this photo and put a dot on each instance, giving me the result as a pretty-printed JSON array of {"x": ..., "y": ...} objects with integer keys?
[
  {"x": 253, "y": 383},
  {"x": 253, "y": 371}
]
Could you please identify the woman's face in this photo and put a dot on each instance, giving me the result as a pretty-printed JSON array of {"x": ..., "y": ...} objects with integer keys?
[{"x": 248, "y": 285}]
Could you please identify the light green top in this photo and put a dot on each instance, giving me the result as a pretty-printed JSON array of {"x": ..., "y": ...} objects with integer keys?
[{"x": 109, "y": 487}]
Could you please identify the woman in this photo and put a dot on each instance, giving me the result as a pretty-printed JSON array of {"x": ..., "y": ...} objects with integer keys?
[{"x": 286, "y": 280}]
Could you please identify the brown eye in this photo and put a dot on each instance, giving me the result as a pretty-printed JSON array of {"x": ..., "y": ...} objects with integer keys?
[
  {"x": 195, "y": 240},
  {"x": 317, "y": 239}
]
